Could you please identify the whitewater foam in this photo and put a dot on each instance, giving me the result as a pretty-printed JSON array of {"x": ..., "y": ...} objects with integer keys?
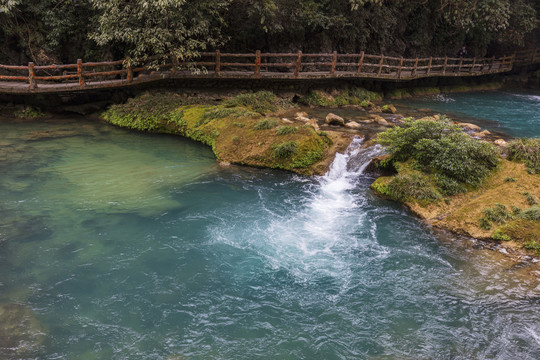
[{"x": 316, "y": 237}]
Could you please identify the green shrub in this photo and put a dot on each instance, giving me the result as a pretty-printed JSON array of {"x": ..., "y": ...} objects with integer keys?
[
  {"x": 442, "y": 148},
  {"x": 532, "y": 245},
  {"x": 532, "y": 213},
  {"x": 265, "y": 124},
  {"x": 405, "y": 187},
  {"x": 448, "y": 186},
  {"x": 499, "y": 235},
  {"x": 284, "y": 130},
  {"x": 496, "y": 214},
  {"x": 286, "y": 149},
  {"x": 526, "y": 150},
  {"x": 530, "y": 198}
]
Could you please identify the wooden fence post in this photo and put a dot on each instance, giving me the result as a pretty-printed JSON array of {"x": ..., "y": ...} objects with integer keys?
[
  {"x": 31, "y": 76},
  {"x": 360, "y": 62},
  {"x": 258, "y": 63},
  {"x": 334, "y": 63},
  {"x": 491, "y": 63},
  {"x": 460, "y": 63},
  {"x": 512, "y": 60},
  {"x": 218, "y": 63},
  {"x": 415, "y": 67},
  {"x": 400, "y": 66},
  {"x": 445, "y": 64},
  {"x": 429, "y": 66},
  {"x": 297, "y": 65},
  {"x": 380, "y": 65},
  {"x": 80, "y": 73},
  {"x": 130, "y": 70},
  {"x": 471, "y": 70}
]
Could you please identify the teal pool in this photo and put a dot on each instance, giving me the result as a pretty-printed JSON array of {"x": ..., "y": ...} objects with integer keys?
[{"x": 122, "y": 245}]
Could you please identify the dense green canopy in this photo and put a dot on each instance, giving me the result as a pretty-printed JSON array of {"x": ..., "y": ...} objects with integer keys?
[{"x": 63, "y": 30}]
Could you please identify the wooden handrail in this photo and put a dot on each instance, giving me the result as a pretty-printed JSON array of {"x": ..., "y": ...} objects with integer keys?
[{"x": 260, "y": 64}]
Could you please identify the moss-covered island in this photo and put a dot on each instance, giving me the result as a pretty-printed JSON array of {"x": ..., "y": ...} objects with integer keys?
[{"x": 462, "y": 184}]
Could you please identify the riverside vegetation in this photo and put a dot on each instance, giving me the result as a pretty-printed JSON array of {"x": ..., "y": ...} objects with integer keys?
[
  {"x": 463, "y": 184},
  {"x": 450, "y": 179}
]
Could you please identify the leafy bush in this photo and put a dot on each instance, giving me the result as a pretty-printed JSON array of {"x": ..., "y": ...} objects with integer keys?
[
  {"x": 497, "y": 214},
  {"x": 285, "y": 129},
  {"x": 499, "y": 235},
  {"x": 265, "y": 124},
  {"x": 286, "y": 149},
  {"x": 404, "y": 187},
  {"x": 526, "y": 150},
  {"x": 532, "y": 245},
  {"x": 532, "y": 213},
  {"x": 449, "y": 186},
  {"x": 441, "y": 148}
]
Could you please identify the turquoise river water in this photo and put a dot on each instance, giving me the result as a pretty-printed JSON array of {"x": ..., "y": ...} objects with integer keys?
[{"x": 123, "y": 245}]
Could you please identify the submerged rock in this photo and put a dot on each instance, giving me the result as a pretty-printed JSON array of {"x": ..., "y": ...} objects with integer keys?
[
  {"x": 333, "y": 119},
  {"x": 21, "y": 334}
]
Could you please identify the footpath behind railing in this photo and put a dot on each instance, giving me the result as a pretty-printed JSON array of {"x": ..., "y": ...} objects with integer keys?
[{"x": 255, "y": 65}]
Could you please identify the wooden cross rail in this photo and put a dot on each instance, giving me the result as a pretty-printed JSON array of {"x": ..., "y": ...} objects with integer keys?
[{"x": 67, "y": 77}]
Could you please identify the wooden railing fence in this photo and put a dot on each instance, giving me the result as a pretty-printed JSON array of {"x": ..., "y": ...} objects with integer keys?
[{"x": 261, "y": 65}]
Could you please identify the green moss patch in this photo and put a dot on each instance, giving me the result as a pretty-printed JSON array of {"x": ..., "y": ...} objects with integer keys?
[{"x": 236, "y": 130}]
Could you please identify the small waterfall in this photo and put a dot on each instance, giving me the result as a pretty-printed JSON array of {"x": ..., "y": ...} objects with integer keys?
[{"x": 314, "y": 238}]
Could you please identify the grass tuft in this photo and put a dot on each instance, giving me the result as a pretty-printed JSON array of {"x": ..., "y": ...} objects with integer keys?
[
  {"x": 265, "y": 124},
  {"x": 286, "y": 149},
  {"x": 405, "y": 187},
  {"x": 532, "y": 213},
  {"x": 530, "y": 198},
  {"x": 285, "y": 129},
  {"x": 527, "y": 151},
  {"x": 496, "y": 214}
]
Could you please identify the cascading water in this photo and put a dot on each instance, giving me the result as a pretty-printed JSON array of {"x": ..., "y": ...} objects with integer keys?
[{"x": 314, "y": 236}]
